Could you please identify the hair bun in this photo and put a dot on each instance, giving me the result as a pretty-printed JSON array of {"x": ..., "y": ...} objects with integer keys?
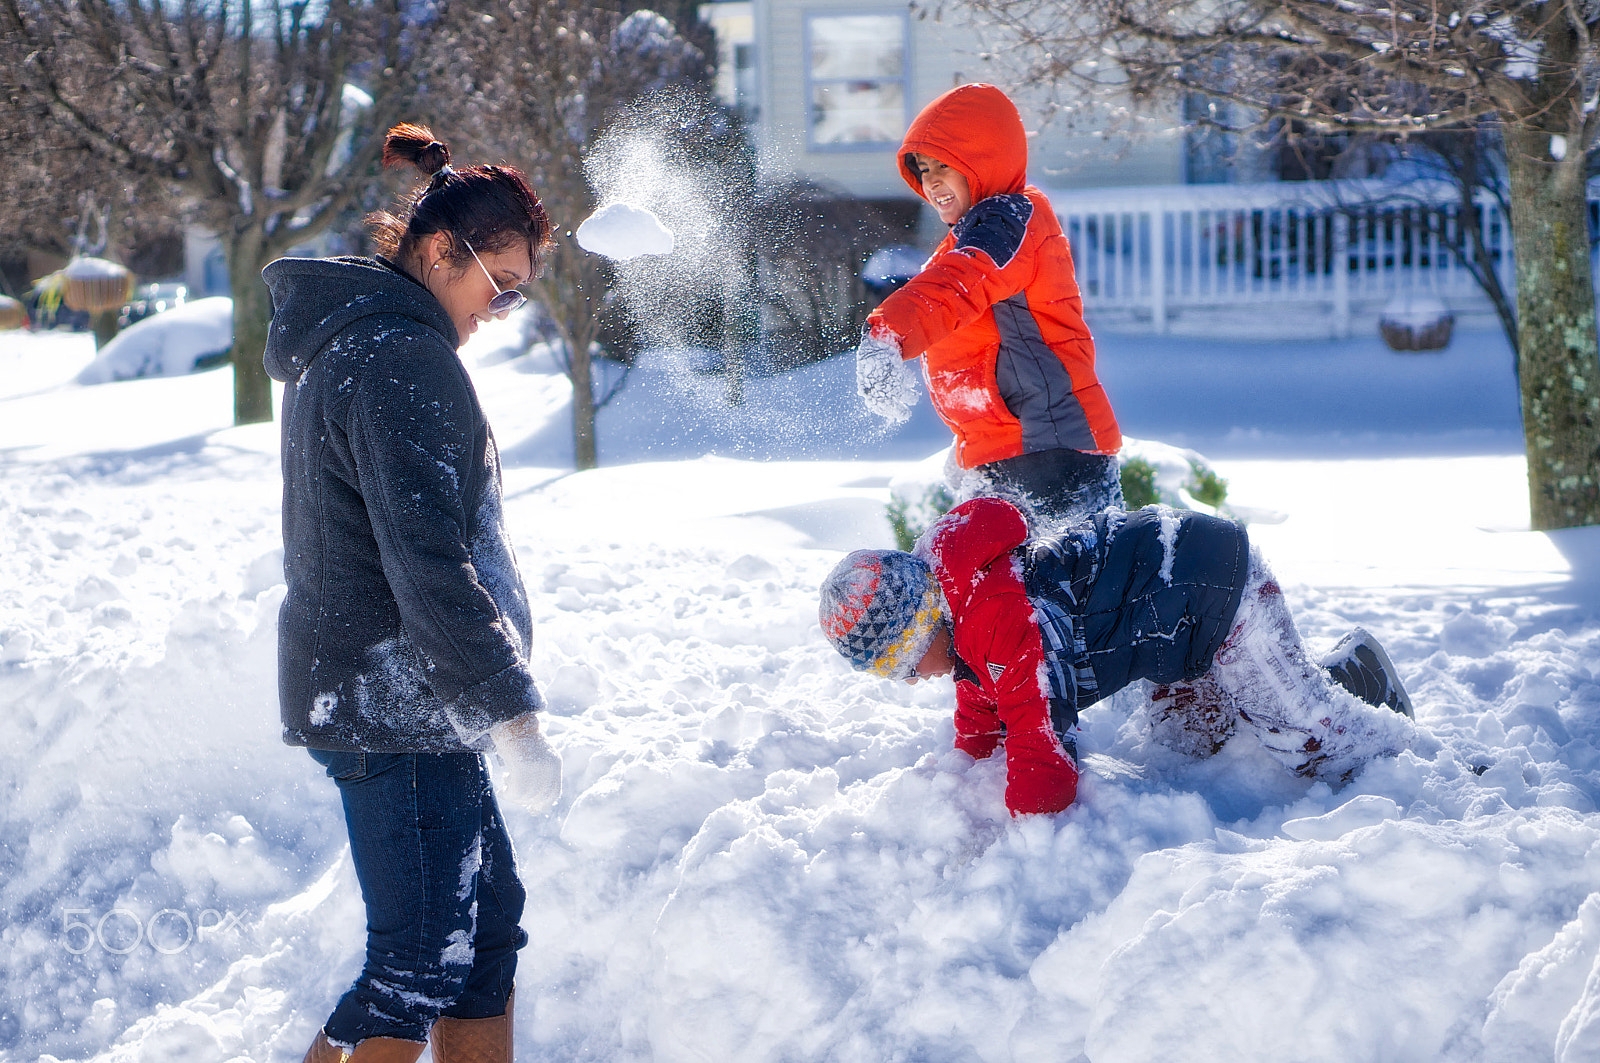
[{"x": 415, "y": 144}]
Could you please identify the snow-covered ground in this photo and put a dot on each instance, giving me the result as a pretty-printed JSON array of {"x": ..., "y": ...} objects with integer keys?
[{"x": 761, "y": 855}]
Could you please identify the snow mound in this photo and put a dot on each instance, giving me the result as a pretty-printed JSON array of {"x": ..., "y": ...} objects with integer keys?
[
  {"x": 168, "y": 344},
  {"x": 623, "y": 231},
  {"x": 762, "y": 855}
]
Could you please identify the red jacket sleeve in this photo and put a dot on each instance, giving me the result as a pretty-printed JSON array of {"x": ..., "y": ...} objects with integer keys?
[
  {"x": 978, "y": 729},
  {"x": 986, "y": 259},
  {"x": 1003, "y": 644},
  {"x": 957, "y": 287},
  {"x": 996, "y": 635}
]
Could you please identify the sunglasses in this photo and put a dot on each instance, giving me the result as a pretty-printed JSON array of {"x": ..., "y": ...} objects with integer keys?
[{"x": 504, "y": 299}]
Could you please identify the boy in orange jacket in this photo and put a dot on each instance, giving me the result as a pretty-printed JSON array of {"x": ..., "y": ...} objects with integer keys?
[{"x": 997, "y": 319}]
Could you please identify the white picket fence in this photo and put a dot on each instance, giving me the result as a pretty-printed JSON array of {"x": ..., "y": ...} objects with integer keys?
[{"x": 1290, "y": 258}]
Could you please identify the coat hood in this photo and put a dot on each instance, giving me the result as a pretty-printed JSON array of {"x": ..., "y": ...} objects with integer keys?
[
  {"x": 314, "y": 299},
  {"x": 975, "y": 129}
]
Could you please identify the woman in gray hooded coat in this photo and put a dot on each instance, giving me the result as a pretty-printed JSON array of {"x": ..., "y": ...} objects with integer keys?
[{"x": 404, "y": 636}]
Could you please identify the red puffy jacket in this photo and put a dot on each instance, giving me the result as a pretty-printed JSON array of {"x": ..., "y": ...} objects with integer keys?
[
  {"x": 996, "y": 314},
  {"x": 1002, "y": 689}
]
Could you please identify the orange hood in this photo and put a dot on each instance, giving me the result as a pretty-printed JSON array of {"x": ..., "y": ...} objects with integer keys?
[{"x": 975, "y": 129}]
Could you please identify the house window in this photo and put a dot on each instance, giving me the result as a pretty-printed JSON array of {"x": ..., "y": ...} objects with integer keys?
[{"x": 856, "y": 77}]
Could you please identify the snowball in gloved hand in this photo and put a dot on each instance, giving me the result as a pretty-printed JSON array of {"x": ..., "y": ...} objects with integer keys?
[
  {"x": 887, "y": 385},
  {"x": 530, "y": 771}
]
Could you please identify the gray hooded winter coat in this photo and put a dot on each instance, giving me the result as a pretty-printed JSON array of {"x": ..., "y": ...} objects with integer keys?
[{"x": 406, "y": 626}]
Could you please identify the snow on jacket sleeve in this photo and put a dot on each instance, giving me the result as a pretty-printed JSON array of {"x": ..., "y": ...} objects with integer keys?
[
  {"x": 982, "y": 262},
  {"x": 411, "y": 436},
  {"x": 995, "y": 634},
  {"x": 1007, "y": 652}
]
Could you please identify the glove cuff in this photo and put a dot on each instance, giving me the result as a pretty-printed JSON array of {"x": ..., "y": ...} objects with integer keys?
[
  {"x": 978, "y": 746},
  {"x": 1040, "y": 776}
]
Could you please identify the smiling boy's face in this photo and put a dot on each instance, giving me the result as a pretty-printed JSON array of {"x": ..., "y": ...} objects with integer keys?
[{"x": 944, "y": 187}]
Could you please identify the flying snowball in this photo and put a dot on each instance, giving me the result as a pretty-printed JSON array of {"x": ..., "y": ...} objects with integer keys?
[{"x": 621, "y": 231}]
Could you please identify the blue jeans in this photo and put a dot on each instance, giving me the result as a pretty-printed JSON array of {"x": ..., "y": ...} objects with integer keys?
[{"x": 439, "y": 879}]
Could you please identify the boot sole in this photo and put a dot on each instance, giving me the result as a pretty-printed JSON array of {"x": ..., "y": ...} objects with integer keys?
[{"x": 1359, "y": 664}]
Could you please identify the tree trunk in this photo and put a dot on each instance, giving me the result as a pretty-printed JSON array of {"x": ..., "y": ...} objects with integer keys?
[
  {"x": 1557, "y": 344},
  {"x": 558, "y": 293},
  {"x": 252, "y": 388},
  {"x": 583, "y": 408}
]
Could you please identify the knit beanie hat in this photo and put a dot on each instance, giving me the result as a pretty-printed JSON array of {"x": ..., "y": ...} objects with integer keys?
[{"x": 881, "y": 609}]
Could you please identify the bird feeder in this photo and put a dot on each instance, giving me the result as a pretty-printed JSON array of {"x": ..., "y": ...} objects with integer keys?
[{"x": 95, "y": 284}]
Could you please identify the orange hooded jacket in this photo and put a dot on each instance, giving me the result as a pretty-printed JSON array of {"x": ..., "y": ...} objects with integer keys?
[{"x": 996, "y": 314}]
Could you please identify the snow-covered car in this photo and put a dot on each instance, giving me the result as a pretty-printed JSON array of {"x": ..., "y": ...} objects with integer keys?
[
  {"x": 151, "y": 299},
  {"x": 196, "y": 335}
]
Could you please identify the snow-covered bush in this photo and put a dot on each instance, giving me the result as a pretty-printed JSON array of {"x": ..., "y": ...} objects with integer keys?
[
  {"x": 1138, "y": 483},
  {"x": 1151, "y": 472},
  {"x": 910, "y": 514},
  {"x": 1177, "y": 477}
]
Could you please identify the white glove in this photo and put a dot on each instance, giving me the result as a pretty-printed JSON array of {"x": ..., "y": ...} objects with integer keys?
[
  {"x": 530, "y": 771},
  {"x": 886, "y": 383}
]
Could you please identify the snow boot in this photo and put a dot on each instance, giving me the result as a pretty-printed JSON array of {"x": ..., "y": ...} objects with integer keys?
[
  {"x": 1359, "y": 664},
  {"x": 472, "y": 1040},
  {"x": 372, "y": 1050}
]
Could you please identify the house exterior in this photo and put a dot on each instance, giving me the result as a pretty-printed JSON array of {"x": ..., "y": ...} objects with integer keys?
[
  {"x": 829, "y": 87},
  {"x": 1178, "y": 231}
]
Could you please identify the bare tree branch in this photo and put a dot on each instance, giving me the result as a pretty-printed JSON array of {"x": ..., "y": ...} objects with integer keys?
[{"x": 238, "y": 106}]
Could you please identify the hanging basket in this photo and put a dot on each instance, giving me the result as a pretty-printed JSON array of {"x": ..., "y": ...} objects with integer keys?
[
  {"x": 12, "y": 313},
  {"x": 94, "y": 284}
]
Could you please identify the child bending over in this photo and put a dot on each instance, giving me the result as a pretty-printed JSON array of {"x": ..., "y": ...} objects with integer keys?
[{"x": 1035, "y": 629}]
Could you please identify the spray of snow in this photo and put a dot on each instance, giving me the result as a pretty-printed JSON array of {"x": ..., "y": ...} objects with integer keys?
[
  {"x": 696, "y": 304},
  {"x": 648, "y": 183}
]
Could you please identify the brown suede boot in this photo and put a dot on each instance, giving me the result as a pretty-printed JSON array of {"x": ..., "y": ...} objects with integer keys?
[
  {"x": 372, "y": 1050},
  {"x": 472, "y": 1040}
]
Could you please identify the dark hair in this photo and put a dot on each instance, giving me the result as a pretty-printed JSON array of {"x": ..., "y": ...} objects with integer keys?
[{"x": 491, "y": 207}]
